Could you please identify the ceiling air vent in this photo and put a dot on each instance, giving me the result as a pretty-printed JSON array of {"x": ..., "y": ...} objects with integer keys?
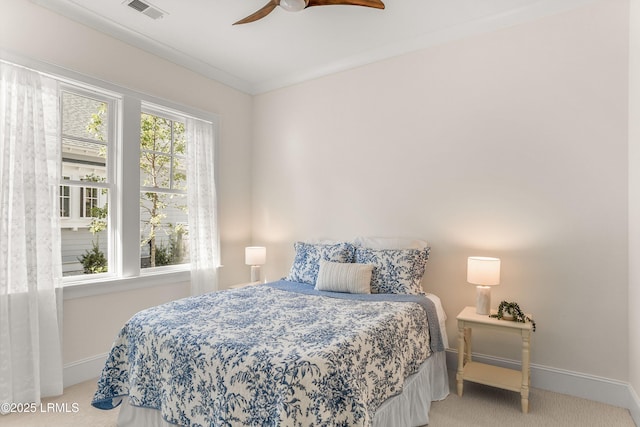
[{"x": 145, "y": 8}]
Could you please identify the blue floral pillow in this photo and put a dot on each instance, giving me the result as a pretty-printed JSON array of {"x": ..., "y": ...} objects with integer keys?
[
  {"x": 308, "y": 255},
  {"x": 395, "y": 271}
]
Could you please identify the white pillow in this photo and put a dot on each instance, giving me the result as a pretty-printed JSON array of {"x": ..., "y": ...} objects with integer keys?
[
  {"x": 344, "y": 277},
  {"x": 389, "y": 243}
]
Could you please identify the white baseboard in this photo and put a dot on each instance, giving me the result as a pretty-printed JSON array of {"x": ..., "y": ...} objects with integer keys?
[
  {"x": 83, "y": 370},
  {"x": 599, "y": 389},
  {"x": 634, "y": 405}
]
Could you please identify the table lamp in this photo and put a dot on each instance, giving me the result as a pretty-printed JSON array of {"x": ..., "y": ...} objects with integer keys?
[
  {"x": 255, "y": 256},
  {"x": 484, "y": 272}
]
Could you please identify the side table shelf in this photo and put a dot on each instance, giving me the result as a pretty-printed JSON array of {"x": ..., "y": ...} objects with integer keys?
[{"x": 508, "y": 379}]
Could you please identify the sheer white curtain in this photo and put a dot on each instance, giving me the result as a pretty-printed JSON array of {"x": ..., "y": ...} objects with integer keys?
[
  {"x": 30, "y": 269},
  {"x": 204, "y": 241}
]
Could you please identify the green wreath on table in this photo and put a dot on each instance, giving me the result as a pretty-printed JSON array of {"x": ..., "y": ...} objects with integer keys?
[{"x": 511, "y": 311}]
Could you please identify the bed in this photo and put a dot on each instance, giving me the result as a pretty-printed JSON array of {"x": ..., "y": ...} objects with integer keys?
[{"x": 286, "y": 353}]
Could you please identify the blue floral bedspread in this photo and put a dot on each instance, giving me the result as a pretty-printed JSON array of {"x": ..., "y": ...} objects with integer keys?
[{"x": 266, "y": 356}]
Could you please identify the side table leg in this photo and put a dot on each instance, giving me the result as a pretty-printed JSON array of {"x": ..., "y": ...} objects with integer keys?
[
  {"x": 461, "y": 356},
  {"x": 467, "y": 345},
  {"x": 526, "y": 372}
]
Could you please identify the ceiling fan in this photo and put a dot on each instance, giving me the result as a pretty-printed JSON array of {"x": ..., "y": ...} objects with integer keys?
[{"x": 298, "y": 5}]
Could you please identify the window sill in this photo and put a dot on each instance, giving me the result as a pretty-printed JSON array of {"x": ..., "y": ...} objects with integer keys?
[{"x": 107, "y": 285}]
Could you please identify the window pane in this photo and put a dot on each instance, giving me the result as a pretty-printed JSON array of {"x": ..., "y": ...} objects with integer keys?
[
  {"x": 64, "y": 201},
  {"x": 162, "y": 148},
  {"x": 179, "y": 173},
  {"x": 164, "y": 231},
  {"x": 156, "y": 134},
  {"x": 84, "y": 232},
  {"x": 84, "y": 117},
  {"x": 155, "y": 170},
  {"x": 90, "y": 206},
  {"x": 179, "y": 138},
  {"x": 91, "y": 156}
]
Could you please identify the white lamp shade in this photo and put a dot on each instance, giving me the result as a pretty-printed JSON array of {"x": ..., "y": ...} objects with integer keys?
[
  {"x": 483, "y": 270},
  {"x": 255, "y": 255}
]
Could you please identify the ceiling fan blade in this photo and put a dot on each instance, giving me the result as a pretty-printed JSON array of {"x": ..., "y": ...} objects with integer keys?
[
  {"x": 367, "y": 3},
  {"x": 266, "y": 9}
]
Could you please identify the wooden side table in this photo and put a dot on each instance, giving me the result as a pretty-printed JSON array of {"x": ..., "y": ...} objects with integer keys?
[{"x": 482, "y": 373}]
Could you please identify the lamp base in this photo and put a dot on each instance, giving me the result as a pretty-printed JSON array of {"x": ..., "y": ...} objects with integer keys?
[
  {"x": 255, "y": 273},
  {"x": 483, "y": 299}
]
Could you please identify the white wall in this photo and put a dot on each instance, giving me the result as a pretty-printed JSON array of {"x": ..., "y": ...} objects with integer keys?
[
  {"x": 510, "y": 144},
  {"x": 90, "y": 324},
  {"x": 634, "y": 206}
]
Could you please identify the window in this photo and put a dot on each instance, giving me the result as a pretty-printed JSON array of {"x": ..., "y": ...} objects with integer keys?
[
  {"x": 65, "y": 201},
  {"x": 89, "y": 202},
  {"x": 163, "y": 189},
  {"x": 122, "y": 199},
  {"x": 97, "y": 210},
  {"x": 87, "y": 138}
]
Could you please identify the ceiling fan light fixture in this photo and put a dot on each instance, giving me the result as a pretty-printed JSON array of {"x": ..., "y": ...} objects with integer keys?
[
  {"x": 293, "y": 5},
  {"x": 298, "y": 5}
]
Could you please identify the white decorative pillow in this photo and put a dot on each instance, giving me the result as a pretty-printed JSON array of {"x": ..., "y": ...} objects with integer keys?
[
  {"x": 396, "y": 271},
  {"x": 389, "y": 243},
  {"x": 308, "y": 255},
  {"x": 344, "y": 277}
]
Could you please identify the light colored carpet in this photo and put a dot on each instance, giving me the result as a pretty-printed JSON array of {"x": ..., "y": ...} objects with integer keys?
[
  {"x": 484, "y": 406},
  {"x": 480, "y": 406}
]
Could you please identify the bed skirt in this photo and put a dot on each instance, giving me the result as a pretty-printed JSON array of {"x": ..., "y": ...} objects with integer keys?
[{"x": 408, "y": 409}]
